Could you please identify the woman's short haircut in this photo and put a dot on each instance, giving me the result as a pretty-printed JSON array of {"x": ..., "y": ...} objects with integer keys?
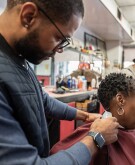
[{"x": 112, "y": 84}]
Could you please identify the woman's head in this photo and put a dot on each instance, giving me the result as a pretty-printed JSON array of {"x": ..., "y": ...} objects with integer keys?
[{"x": 117, "y": 94}]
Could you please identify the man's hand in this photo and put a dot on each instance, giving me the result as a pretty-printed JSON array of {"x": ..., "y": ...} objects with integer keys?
[
  {"x": 85, "y": 116},
  {"x": 107, "y": 127}
]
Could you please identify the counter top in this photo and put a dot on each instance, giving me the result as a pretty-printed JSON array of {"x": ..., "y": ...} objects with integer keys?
[{"x": 70, "y": 97}]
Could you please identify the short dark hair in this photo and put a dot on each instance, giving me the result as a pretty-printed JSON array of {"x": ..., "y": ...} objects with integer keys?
[
  {"x": 112, "y": 84},
  {"x": 59, "y": 10}
]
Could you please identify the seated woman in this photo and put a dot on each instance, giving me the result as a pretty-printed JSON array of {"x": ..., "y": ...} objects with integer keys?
[{"x": 117, "y": 95}]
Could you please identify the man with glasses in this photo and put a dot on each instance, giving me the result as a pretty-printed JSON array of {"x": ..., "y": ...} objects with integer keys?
[{"x": 34, "y": 30}]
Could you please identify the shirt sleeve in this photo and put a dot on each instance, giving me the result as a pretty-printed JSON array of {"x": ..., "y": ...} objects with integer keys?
[
  {"x": 16, "y": 150},
  {"x": 57, "y": 109}
]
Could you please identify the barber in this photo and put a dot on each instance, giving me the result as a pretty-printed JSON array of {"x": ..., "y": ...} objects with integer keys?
[{"x": 33, "y": 31}]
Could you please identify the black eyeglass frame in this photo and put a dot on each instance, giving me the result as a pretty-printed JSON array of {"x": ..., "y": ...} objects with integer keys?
[{"x": 65, "y": 40}]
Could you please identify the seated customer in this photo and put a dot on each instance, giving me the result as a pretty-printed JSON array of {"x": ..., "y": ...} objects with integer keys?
[{"x": 117, "y": 95}]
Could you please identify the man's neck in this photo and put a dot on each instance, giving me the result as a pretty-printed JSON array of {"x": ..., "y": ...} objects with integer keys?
[{"x": 7, "y": 29}]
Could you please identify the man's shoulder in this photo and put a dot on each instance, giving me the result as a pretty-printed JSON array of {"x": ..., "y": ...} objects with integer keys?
[
  {"x": 3, "y": 58},
  {"x": 5, "y": 63}
]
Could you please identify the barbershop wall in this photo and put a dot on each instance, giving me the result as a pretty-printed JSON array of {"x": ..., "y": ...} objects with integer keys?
[{"x": 129, "y": 55}]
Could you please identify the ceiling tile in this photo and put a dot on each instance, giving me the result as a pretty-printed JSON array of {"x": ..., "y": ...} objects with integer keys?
[
  {"x": 133, "y": 24},
  {"x": 129, "y": 13},
  {"x": 125, "y": 2}
]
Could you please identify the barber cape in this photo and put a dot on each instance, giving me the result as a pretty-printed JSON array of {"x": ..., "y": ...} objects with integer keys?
[{"x": 121, "y": 152}]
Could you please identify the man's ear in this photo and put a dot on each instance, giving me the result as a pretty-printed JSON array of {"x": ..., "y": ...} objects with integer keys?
[
  {"x": 120, "y": 99},
  {"x": 28, "y": 14}
]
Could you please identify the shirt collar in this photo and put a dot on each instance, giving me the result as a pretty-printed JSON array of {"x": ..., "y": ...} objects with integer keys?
[{"x": 10, "y": 53}]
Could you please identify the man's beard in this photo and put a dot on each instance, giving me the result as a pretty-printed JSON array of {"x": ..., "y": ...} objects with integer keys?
[{"x": 29, "y": 48}]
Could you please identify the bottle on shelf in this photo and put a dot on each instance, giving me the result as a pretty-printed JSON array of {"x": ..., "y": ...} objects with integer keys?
[
  {"x": 80, "y": 82},
  {"x": 93, "y": 83},
  {"x": 73, "y": 83},
  {"x": 84, "y": 86},
  {"x": 69, "y": 82}
]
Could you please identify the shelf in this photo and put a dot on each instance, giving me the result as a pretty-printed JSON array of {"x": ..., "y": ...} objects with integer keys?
[
  {"x": 71, "y": 97},
  {"x": 87, "y": 54}
]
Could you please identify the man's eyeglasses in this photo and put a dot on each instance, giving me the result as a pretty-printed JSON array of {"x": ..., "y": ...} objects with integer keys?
[{"x": 66, "y": 41}]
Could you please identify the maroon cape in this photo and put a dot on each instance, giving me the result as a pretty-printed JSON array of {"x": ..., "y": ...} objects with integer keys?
[{"x": 121, "y": 152}]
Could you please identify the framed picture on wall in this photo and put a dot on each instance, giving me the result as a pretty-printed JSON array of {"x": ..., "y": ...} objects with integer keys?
[
  {"x": 97, "y": 44},
  {"x": 101, "y": 46},
  {"x": 90, "y": 41}
]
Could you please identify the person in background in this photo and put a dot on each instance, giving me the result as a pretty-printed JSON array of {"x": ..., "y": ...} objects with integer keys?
[
  {"x": 117, "y": 95},
  {"x": 33, "y": 31},
  {"x": 130, "y": 71}
]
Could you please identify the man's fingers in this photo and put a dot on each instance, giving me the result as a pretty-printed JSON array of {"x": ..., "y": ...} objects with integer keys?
[{"x": 112, "y": 118}]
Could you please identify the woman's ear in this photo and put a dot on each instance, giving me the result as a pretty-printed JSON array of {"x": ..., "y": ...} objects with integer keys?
[{"x": 120, "y": 99}]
